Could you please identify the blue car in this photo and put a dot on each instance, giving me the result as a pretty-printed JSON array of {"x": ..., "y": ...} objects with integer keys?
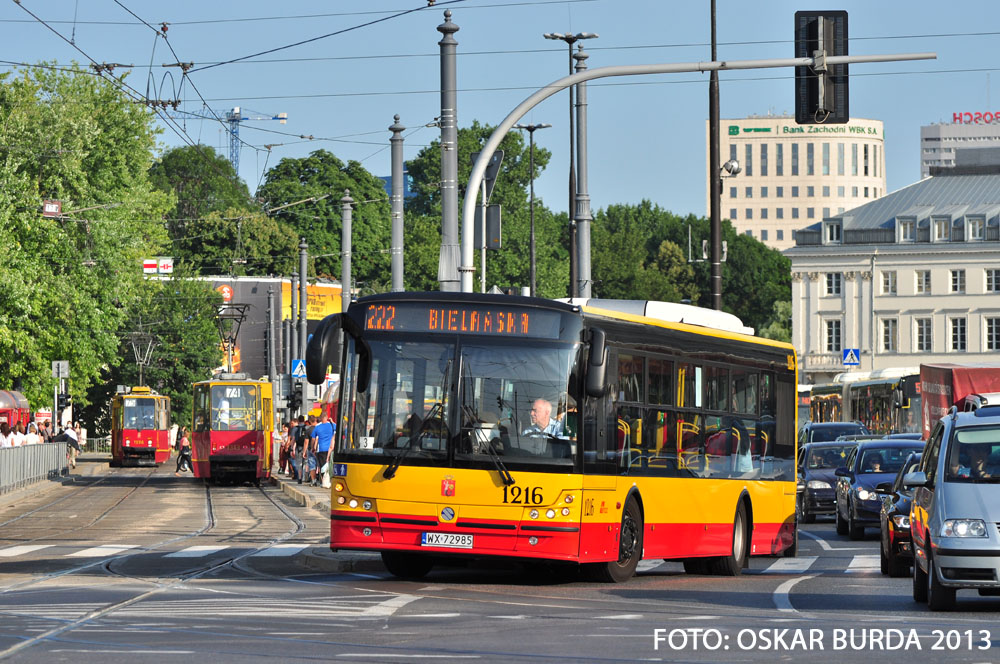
[{"x": 871, "y": 463}]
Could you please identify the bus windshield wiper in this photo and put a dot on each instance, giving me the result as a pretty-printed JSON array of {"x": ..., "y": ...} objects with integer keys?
[
  {"x": 390, "y": 470},
  {"x": 505, "y": 475}
]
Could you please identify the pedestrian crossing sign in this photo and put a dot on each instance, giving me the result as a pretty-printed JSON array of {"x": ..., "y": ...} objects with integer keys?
[
  {"x": 852, "y": 357},
  {"x": 299, "y": 368}
]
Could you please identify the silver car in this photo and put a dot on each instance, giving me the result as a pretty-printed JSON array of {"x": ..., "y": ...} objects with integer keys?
[{"x": 955, "y": 514}]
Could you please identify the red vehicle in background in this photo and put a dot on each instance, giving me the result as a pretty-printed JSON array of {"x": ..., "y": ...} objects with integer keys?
[
  {"x": 947, "y": 385},
  {"x": 233, "y": 429},
  {"x": 140, "y": 428},
  {"x": 14, "y": 408}
]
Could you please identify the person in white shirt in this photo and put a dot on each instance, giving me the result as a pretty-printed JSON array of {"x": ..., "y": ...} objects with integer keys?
[
  {"x": 17, "y": 435},
  {"x": 5, "y": 435},
  {"x": 32, "y": 437}
]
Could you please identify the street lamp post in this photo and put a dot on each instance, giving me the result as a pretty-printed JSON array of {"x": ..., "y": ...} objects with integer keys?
[
  {"x": 530, "y": 128},
  {"x": 571, "y": 39}
]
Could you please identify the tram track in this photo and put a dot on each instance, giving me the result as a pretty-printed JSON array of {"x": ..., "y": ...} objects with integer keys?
[
  {"x": 74, "y": 494},
  {"x": 111, "y": 566}
]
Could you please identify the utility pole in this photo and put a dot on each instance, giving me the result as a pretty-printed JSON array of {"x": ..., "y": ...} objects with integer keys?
[
  {"x": 714, "y": 183},
  {"x": 396, "y": 249},
  {"x": 448, "y": 263},
  {"x": 583, "y": 216}
]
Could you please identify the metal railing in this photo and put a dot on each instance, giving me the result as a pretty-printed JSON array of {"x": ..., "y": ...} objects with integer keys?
[
  {"x": 97, "y": 445},
  {"x": 27, "y": 464}
]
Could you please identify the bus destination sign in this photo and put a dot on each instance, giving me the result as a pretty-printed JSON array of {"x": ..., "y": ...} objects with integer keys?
[{"x": 498, "y": 321}]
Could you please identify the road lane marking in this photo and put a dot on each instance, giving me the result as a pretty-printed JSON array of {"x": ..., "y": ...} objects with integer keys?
[
  {"x": 281, "y": 550},
  {"x": 646, "y": 565},
  {"x": 864, "y": 564},
  {"x": 791, "y": 565},
  {"x": 781, "y": 593},
  {"x": 395, "y": 655},
  {"x": 826, "y": 547},
  {"x": 195, "y": 551},
  {"x": 19, "y": 550},
  {"x": 102, "y": 550}
]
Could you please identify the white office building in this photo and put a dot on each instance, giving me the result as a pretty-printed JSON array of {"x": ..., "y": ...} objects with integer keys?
[
  {"x": 793, "y": 174},
  {"x": 973, "y": 139},
  {"x": 909, "y": 278}
]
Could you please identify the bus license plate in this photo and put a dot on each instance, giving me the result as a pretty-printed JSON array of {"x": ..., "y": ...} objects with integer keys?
[{"x": 450, "y": 540}]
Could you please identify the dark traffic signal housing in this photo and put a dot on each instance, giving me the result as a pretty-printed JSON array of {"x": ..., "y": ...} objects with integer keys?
[{"x": 821, "y": 90}]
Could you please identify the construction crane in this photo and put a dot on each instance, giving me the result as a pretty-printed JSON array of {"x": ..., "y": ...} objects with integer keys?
[{"x": 233, "y": 117}]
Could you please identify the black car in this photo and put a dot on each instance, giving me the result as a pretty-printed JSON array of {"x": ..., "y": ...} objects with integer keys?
[
  {"x": 895, "y": 548},
  {"x": 816, "y": 432},
  {"x": 869, "y": 464},
  {"x": 817, "y": 463}
]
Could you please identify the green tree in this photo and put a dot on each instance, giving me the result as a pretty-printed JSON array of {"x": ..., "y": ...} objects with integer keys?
[
  {"x": 241, "y": 243},
  {"x": 779, "y": 327},
  {"x": 202, "y": 182},
  {"x": 323, "y": 178},
  {"x": 68, "y": 281},
  {"x": 511, "y": 265}
]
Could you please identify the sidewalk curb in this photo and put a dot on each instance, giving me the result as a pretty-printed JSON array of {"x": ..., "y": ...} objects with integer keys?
[
  {"x": 333, "y": 562},
  {"x": 303, "y": 495}
]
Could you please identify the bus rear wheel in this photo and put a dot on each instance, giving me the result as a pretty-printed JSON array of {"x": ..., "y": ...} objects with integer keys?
[
  {"x": 629, "y": 548},
  {"x": 407, "y": 565},
  {"x": 732, "y": 564}
]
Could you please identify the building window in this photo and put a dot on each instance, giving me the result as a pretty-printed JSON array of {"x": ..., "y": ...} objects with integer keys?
[
  {"x": 992, "y": 280},
  {"x": 795, "y": 192},
  {"x": 763, "y": 192},
  {"x": 732, "y": 213},
  {"x": 826, "y": 191},
  {"x": 854, "y": 192},
  {"x": 958, "y": 342},
  {"x": 732, "y": 150},
  {"x": 826, "y": 212},
  {"x": 781, "y": 233},
  {"x": 763, "y": 213},
  {"x": 779, "y": 213},
  {"x": 974, "y": 229},
  {"x": 831, "y": 231},
  {"x": 942, "y": 228},
  {"x": 888, "y": 282},
  {"x": 834, "y": 283},
  {"x": 779, "y": 192},
  {"x": 732, "y": 192},
  {"x": 840, "y": 191},
  {"x": 923, "y": 282},
  {"x": 749, "y": 192},
  {"x": 810, "y": 192},
  {"x": 748, "y": 162},
  {"x": 763, "y": 234},
  {"x": 795, "y": 213},
  {"x": 875, "y": 163},
  {"x": 810, "y": 213},
  {"x": 923, "y": 335},
  {"x": 826, "y": 159},
  {"x": 749, "y": 213},
  {"x": 866, "y": 192},
  {"x": 763, "y": 159},
  {"x": 890, "y": 335},
  {"x": 779, "y": 158},
  {"x": 840, "y": 159},
  {"x": 833, "y": 336},
  {"x": 907, "y": 230},
  {"x": 993, "y": 334},
  {"x": 810, "y": 159},
  {"x": 854, "y": 159},
  {"x": 865, "y": 164},
  {"x": 958, "y": 281}
]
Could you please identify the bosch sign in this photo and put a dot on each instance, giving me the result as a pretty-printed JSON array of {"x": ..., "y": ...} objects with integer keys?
[{"x": 979, "y": 117}]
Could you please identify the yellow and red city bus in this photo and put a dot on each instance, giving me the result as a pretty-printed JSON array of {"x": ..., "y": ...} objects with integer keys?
[
  {"x": 665, "y": 439},
  {"x": 232, "y": 429},
  {"x": 140, "y": 427}
]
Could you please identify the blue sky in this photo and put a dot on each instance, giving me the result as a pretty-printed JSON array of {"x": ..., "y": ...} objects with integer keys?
[{"x": 647, "y": 134}]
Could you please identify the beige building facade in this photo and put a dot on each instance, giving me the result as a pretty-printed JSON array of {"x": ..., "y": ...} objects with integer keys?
[{"x": 793, "y": 175}]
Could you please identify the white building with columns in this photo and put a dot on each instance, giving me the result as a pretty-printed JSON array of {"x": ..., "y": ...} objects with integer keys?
[{"x": 909, "y": 278}]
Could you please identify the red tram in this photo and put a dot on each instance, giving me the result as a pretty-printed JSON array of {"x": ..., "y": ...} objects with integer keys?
[
  {"x": 140, "y": 423},
  {"x": 233, "y": 428}
]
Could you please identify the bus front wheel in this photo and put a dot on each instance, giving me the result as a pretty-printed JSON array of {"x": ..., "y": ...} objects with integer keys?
[{"x": 629, "y": 548}]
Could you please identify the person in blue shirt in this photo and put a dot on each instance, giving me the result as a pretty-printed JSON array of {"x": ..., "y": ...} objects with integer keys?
[
  {"x": 542, "y": 423},
  {"x": 322, "y": 437}
]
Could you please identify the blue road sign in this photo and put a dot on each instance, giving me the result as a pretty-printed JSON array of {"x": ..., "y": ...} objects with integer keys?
[
  {"x": 852, "y": 357},
  {"x": 299, "y": 368}
]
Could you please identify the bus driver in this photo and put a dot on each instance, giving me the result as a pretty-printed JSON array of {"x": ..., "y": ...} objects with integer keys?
[{"x": 542, "y": 423}]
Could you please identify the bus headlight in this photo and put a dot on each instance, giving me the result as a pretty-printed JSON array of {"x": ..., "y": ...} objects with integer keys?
[
  {"x": 550, "y": 513},
  {"x": 565, "y": 511},
  {"x": 353, "y": 503},
  {"x": 533, "y": 514}
]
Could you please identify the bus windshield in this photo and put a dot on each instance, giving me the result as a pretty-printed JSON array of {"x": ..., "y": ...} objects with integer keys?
[{"x": 440, "y": 401}]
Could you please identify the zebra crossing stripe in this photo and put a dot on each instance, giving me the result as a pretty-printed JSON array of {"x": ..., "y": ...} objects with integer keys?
[
  {"x": 20, "y": 550},
  {"x": 195, "y": 552},
  {"x": 282, "y": 550},
  {"x": 791, "y": 565},
  {"x": 863, "y": 564},
  {"x": 102, "y": 550}
]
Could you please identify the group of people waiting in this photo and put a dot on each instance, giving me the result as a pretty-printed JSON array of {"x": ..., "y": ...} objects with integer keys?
[
  {"x": 32, "y": 434},
  {"x": 305, "y": 449}
]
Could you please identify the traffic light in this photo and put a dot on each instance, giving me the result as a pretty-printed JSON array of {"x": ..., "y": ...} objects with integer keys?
[
  {"x": 821, "y": 90},
  {"x": 63, "y": 401},
  {"x": 295, "y": 398}
]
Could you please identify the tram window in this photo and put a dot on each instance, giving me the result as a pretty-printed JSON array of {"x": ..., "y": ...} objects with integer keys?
[
  {"x": 631, "y": 378},
  {"x": 661, "y": 378}
]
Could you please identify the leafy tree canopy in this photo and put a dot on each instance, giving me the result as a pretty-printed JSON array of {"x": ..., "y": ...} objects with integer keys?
[{"x": 240, "y": 243}]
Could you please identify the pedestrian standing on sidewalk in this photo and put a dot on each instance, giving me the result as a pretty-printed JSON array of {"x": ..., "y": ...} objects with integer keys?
[
  {"x": 183, "y": 452},
  {"x": 322, "y": 436},
  {"x": 5, "y": 440},
  {"x": 32, "y": 437},
  {"x": 308, "y": 453},
  {"x": 295, "y": 433}
]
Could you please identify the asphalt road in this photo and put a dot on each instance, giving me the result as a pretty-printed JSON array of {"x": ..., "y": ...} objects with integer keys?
[{"x": 134, "y": 565}]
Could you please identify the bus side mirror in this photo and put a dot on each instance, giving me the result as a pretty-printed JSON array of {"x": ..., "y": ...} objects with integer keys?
[
  {"x": 322, "y": 345},
  {"x": 597, "y": 363}
]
